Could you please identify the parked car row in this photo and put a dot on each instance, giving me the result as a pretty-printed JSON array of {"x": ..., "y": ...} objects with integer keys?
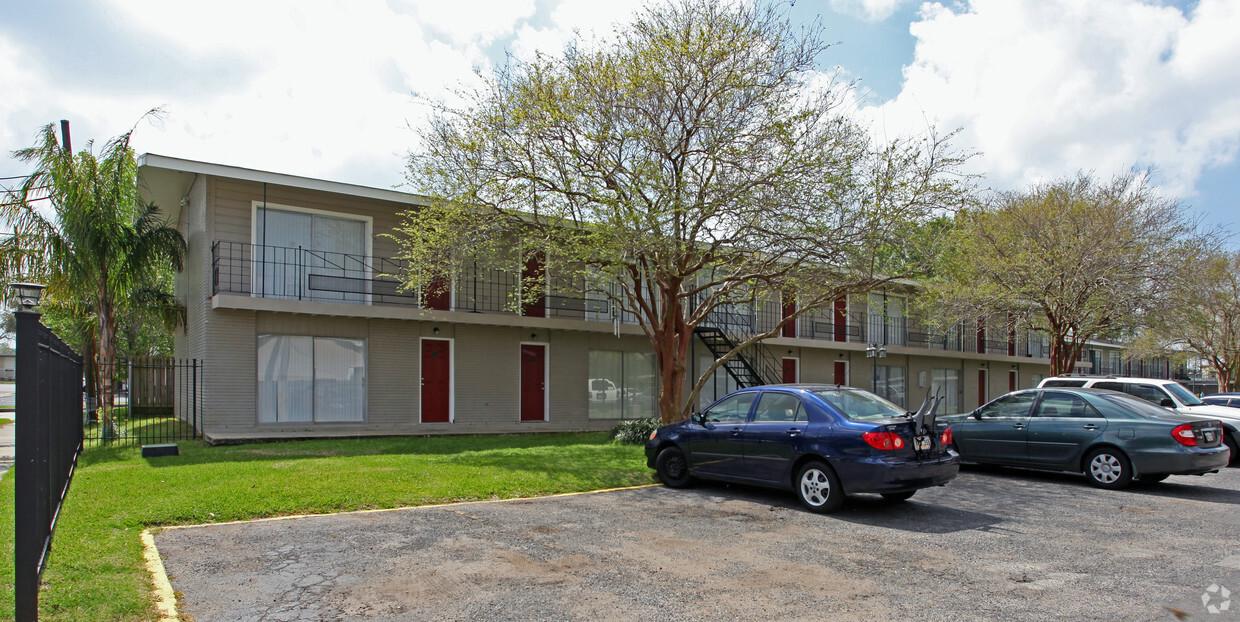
[{"x": 824, "y": 442}]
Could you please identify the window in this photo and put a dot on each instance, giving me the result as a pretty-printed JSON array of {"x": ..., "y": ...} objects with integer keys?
[
  {"x": 300, "y": 254},
  {"x": 1149, "y": 393},
  {"x": 778, "y": 407},
  {"x": 1011, "y": 405},
  {"x": 622, "y": 385},
  {"x": 886, "y": 322},
  {"x": 948, "y": 381},
  {"x": 311, "y": 379},
  {"x": 733, "y": 409},
  {"x": 889, "y": 383},
  {"x": 1064, "y": 405}
]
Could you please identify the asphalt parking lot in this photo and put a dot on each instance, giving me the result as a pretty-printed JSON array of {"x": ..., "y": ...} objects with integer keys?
[{"x": 994, "y": 544}]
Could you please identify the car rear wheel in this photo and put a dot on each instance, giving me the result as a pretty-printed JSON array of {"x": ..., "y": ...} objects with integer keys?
[
  {"x": 899, "y": 496},
  {"x": 818, "y": 488},
  {"x": 672, "y": 468},
  {"x": 1108, "y": 468}
]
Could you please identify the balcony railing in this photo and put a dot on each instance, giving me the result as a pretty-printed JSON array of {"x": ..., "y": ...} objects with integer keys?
[{"x": 320, "y": 276}]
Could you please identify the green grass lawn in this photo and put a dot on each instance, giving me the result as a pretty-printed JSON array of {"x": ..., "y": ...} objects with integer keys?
[{"x": 96, "y": 570}]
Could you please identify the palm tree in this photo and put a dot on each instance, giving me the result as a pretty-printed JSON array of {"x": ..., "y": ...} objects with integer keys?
[{"x": 81, "y": 227}]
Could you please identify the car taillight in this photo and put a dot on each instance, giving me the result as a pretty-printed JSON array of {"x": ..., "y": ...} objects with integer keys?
[
  {"x": 946, "y": 437},
  {"x": 883, "y": 440},
  {"x": 1184, "y": 434}
]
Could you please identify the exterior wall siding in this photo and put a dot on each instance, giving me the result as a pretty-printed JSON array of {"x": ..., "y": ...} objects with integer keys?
[{"x": 486, "y": 347}]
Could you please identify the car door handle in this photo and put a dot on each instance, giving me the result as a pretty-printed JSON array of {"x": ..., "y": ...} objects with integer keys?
[
  {"x": 794, "y": 431},
  {"x": 1090, "y": 426},
  {"x": 736, "y": 431},
  {"x": 1018, "y": 426}
]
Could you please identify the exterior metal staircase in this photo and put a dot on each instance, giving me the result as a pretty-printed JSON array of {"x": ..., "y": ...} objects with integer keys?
[{"x": 750, "y": 368}]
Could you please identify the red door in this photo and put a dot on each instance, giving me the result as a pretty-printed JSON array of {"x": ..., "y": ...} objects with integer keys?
[
  {"x": 436, "y": 380},
  {"x": 1012, "y": 380},
  {"x": 534, "y": 301},
  {"x": 533, "y": 382},
  {"x": 841, "y": 319},
  {"x": 790, "y": 307},
  {"x": 841, "y": 373},
  {"x": 437, "y": 295},
  {"x": 981, "y": 387},
  {"x": 790, "y": 371}
]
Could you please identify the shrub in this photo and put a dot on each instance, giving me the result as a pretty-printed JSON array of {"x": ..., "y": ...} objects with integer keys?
[{"x": 634, "y": 431}]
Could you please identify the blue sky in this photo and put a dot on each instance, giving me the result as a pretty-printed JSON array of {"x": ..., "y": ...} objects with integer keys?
[{"x": 1039, "y": 88}]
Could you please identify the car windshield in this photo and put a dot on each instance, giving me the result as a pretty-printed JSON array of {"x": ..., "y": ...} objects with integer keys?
[
  {"x": 1182, "y": 394},
  {"x": 859, "y": 405},
  {"x": 1133, "y": 404}
]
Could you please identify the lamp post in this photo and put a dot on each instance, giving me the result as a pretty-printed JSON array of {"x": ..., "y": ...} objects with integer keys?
[
  {"x": 875, "y": 351},
  {"x": 28, "y": 294}
]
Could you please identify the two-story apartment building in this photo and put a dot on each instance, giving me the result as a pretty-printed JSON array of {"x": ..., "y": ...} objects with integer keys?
[{"x": 302, "y": 332}]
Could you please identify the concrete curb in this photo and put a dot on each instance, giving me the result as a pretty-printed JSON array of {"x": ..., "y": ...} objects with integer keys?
[{"x": 165, "y": 598}]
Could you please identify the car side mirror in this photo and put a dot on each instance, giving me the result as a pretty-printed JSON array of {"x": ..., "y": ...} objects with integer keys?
[
  {"x": 1167, "y": 403},
  {"x": 977, "y": 414}
]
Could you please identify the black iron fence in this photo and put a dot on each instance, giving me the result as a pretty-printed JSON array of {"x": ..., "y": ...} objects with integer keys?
[
  {"x": 143, "y": 400},
  {"x": 49, "y": 441}
]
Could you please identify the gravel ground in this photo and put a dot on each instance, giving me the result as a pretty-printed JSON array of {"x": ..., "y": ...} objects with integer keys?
[{"x": 993, "y": 545}]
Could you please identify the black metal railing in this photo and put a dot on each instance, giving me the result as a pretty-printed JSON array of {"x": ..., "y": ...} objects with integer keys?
[
  {"x": 321, "y": 276},
  {"x": 153, "y": 400},
  {"x": 48, "y": 443},
  {"x": 734, "y": 324}
]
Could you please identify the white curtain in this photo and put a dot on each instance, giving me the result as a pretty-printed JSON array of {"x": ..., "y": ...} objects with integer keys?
[
  {"x": 285, "y": 378},
  {"x": 293, "y": 245},
  {"x": 947, "y": 380},
  {"x": 319, "y": 379},
  {"x": 339, "y": 379}
]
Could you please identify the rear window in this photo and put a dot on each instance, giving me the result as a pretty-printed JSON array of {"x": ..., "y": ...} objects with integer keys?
[
  {"x": 1062, "y": 383},
  {"x": 860, "y": 405},
  {"x": 1132, "y": 404}
]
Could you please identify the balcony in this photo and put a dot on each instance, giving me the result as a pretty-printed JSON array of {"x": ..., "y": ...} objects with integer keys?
[
  {"x": 318, "y": 276},
  {"x": 300, "y": 274}
]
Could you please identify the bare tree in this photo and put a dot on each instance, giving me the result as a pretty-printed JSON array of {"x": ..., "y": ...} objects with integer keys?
[{"x": 693, "y": 162}]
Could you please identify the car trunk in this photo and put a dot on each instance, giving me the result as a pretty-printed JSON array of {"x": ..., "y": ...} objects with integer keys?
[{"x": 923, "y": 446}]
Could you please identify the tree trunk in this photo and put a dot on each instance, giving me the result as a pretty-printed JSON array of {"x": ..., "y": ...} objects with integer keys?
[
  {"x": 107, "y": 357},
  {"x": 671, "y": 345}
]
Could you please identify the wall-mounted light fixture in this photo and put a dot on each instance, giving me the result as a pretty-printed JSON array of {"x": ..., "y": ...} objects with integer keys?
[{"x": 435, "y": 330}]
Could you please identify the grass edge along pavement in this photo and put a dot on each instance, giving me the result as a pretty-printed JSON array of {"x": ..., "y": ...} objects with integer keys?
[{"x": 97, "y": 569}]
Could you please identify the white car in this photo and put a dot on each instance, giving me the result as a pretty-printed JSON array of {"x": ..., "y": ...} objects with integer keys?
[{"x": 1166, "y": 393}]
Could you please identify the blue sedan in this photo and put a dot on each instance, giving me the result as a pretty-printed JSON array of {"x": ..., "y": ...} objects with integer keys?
[
  {"x": 821, "y": 441},
  {"x": 1109, "y": 436}
]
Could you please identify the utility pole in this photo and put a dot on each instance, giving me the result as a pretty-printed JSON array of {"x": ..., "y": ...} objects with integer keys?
[{"x": 64, "y": 137}]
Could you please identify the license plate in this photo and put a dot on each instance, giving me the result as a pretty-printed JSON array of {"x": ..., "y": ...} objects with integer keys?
[
  {"x": 1209, "y": 436},
  {"x": 921, "y": 443}
]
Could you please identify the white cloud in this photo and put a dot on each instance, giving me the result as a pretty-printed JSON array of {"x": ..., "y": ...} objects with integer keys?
[
  {"x": 1047, "y": 87},
  {"x": 868, "y": 10}
]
